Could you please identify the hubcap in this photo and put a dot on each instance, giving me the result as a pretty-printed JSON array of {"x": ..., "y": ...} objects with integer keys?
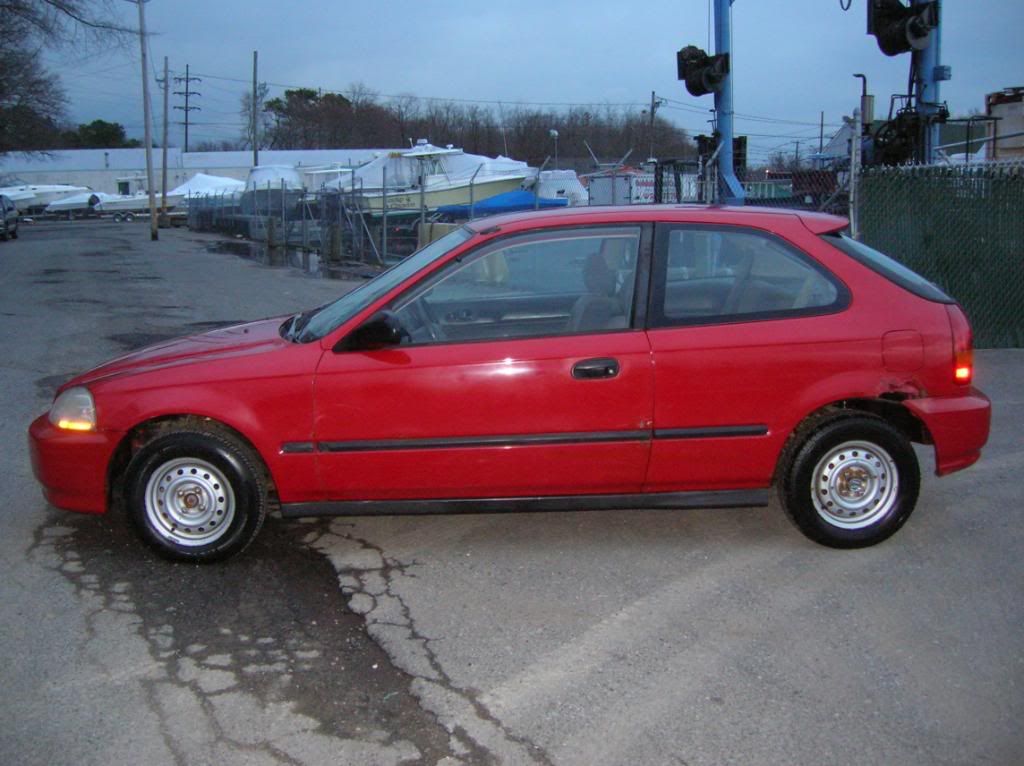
[
  {"x": 189, "y": 502},
  {"x": 855, "y": 485}
]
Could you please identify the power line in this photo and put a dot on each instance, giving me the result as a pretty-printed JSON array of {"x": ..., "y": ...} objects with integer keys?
[{"x": 187, "y": 93}]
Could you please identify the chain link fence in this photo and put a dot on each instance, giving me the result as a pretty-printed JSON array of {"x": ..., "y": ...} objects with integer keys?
[
  {"x": 822, "y": 190},
  {"x": 962, "y": 227},
  {"x": 339, "y": 226}
]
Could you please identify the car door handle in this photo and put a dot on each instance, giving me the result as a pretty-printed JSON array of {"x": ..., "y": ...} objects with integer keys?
[{"x": 590, "y": 369}]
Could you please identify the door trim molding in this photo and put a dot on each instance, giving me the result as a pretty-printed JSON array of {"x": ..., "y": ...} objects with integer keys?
[{"x": 733, "y": 498}]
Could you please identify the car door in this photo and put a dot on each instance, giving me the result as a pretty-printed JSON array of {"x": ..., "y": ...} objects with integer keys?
[
  {"x": 523, "y": 374},
  {"x": 743, "y": 326}
]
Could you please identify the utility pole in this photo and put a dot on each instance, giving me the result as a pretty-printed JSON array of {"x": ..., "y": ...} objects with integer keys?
[
  {"x": 163, "y": 165},
  {"x": 655, "y": 103},
  {"x": 255, "y": 110},
  {"x": 821, "y": 139},
  {"x": 147, "y": 117},
  {"x": 187, "y": 93}
]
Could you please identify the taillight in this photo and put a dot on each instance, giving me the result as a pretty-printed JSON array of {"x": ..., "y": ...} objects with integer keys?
[{"x": 963, "y": 346}]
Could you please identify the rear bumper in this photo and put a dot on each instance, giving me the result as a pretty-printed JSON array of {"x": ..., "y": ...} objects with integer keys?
[
  {"x": 959, "y": 427},
  {"x": 71, "y": 466}
]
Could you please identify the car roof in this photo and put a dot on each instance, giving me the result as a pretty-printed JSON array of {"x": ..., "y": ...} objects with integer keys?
[{"x": 760, "y": 217}]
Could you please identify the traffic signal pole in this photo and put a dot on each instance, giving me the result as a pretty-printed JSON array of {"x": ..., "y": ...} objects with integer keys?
[
  {"x": 730, "y": 189},
  {"x": 929, "y": 73}
]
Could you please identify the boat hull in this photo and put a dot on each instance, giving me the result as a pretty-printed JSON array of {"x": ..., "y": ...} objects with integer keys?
[{"x": 434, "y": 198}]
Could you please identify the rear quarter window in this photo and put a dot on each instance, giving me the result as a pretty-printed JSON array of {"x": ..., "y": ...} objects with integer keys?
[{"x": 891, "y": 269}]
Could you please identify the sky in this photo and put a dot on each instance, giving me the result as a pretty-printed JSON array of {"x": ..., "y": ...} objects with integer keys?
[{"x": 792, "y": 59}]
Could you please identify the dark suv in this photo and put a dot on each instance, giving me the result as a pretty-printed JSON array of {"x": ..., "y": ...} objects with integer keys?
[{"x": 8, "y": 218}]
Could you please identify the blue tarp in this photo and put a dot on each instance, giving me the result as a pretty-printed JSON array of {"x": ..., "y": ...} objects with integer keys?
[{"x": 509, "y": 202}]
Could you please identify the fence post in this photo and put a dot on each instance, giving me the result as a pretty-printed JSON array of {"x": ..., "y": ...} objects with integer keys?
[
  {"x": 855, "y": 150},
  {"x": 384, "y": 213}
]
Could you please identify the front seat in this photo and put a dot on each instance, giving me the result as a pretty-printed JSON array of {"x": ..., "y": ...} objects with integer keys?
[{"x": 598, "y": 309}]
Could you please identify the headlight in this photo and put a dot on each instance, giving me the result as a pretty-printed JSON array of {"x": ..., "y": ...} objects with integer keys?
[{"x": 74, "y": 410}]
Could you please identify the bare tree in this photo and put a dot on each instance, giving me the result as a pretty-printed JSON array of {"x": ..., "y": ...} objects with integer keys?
[
  {"x": 263, "y": 119},
  {"x": 59, "y": 22},
  {"x": 31, "y": 98}
]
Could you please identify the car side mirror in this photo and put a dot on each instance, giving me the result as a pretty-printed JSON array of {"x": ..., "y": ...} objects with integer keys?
[{"x": 382, "y": 330}]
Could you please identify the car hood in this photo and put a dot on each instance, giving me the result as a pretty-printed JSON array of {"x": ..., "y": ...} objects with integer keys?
[{"x": 258, "y": 337}]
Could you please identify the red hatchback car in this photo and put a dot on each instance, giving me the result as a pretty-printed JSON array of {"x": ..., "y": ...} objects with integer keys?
[{"x": 591, "y": 358}]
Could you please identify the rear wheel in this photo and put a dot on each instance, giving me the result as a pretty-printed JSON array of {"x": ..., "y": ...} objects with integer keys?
[
  {"x": 852, "y": 483},
  {"x": 196, "y": 495}
]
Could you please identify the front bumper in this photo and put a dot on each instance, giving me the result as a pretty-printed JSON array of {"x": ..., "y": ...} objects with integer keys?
[
  {"x": 72, "y": 465},
  {"x": 958, "y": 425}
]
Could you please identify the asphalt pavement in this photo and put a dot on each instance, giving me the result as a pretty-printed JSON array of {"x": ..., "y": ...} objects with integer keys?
[{"x": 654, "y": 637}]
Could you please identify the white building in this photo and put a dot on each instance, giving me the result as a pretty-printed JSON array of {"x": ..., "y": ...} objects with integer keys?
[{"x": 1007, "y": 106}]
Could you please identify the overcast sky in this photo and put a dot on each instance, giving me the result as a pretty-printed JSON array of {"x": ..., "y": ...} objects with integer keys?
[{"x": 793, "y": 59}]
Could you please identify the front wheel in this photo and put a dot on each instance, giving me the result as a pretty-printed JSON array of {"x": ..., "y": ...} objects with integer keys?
[
  {"x": 852, "y": 483},
  {"x": 196, "y": 495}
]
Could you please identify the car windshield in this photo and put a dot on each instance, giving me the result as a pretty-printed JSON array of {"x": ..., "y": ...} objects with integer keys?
[{"x": 306, "y": 328}]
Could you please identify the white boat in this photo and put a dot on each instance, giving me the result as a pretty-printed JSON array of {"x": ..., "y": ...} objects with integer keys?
[
  {"x": 78, "y": 202},
  {"x": 269, "y": 189},
  {"x": 132, "y": 203},
  {"x": 562, "y": 184},
  {"x": 273, "y": 177},
  {"x": 35, "y": 197},
  {"x": 431, "y": 176},
  {"x": 201, "y": 185}
]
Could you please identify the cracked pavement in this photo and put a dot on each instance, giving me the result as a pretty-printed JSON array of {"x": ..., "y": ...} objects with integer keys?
[{"x": 697, "y": 637}]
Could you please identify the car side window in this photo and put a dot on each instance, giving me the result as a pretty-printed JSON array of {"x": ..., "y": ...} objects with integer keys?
[
  {"x": 726, "y": 274},
  {"x": 546, "y": 283}
]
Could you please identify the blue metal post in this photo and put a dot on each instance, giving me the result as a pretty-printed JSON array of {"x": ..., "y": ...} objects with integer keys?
[
  {"x": 929, "y": 73},
  {"x": 730, "y": 187}
]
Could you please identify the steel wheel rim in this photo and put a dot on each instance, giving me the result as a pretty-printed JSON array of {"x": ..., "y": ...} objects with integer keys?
[
  {"x": 189, "y": 502},
  {"x": 854, "y": 485}
]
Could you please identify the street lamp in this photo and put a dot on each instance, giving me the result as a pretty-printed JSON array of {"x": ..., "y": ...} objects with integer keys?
[{"x": 554, "y": 135}]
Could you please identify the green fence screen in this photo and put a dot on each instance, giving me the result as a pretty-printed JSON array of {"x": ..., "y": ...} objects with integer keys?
[{"x": 962, "y": 227}]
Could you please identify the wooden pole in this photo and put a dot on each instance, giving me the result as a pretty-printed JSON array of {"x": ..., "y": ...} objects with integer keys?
[
  {"x": 163, "y": 143},
  {"x": 153, "y": 234},
  {"x": 255, "y": 106}
]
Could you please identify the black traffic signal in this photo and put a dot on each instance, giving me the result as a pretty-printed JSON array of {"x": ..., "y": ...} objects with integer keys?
[
  {"x": 702, "y": 73},
  {"x": 739, "y": 152},
  {"x": 706, "y": 146},
  {"x": 900, "y": 28}
]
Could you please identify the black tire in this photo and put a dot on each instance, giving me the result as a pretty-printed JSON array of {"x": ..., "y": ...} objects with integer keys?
[
  {"x": 853, "y": 482},
  {"x": 196, "y": 495}
]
